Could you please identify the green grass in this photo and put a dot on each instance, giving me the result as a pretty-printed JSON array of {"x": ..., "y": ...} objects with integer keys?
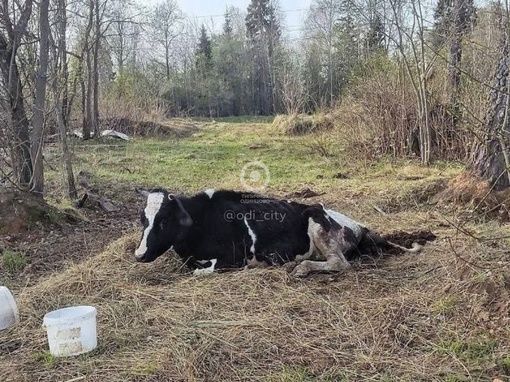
[
  {"x": 504, "y": 363},
  {"x": 471, "y": 350},
  {"x": 46, "y": 358},
  {"x": 240, "y": 119},
  {"x": 13, "y": 261},
  {"x": 215, "y": 156},
  {"x": 143, "y": 369},
  {"x": 445, "y": 304}
]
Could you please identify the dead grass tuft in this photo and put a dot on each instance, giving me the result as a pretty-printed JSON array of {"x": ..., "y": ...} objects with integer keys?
[
  {"x": 467, "y": 190},
  {"x": 295, "y": 124}
]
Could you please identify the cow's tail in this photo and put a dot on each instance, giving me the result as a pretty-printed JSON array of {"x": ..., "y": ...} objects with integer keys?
[
  {"x": 414, "y": 249},
  {"x": 384, "y": 243}
]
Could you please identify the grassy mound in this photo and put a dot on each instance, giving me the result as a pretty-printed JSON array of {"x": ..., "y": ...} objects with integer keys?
[
  {"x": 407, "y": 318},
  {"x": 303, "y": 124},
  {"x": 467, "y": 190},
  {"x": 20, "y": 211}
]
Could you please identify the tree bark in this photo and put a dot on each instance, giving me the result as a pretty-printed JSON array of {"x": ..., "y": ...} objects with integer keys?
[
  {"x": 19, "y": 140},
  {"x": 489, "y": 157},
  {"x": 454, "y": 72},
  {"x": 22, "y": 162},
  {"x": 87, "y": 89},
  {"x": 95, "y": 113},
  {"x": 37, "y": 183},
  {"x": 61, "y": 102}
]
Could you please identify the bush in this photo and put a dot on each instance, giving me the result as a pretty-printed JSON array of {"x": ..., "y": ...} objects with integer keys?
[{"x": 379, "y": 116}]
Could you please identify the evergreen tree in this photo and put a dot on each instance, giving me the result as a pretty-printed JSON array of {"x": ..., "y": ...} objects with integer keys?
[
  {"x": 263, "y": 32},
  {"x": 228, "y": 62},
  {"x": 204, "y": 49},
  {"x": 227, "y": 24},
  {"x": 375, "y": 37},
  {"x": 442, "y": 21},
  {"x": 452, "y": 17}
]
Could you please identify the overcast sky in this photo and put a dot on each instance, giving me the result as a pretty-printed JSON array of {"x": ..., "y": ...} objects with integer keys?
[{"x": 211, "y": 11}]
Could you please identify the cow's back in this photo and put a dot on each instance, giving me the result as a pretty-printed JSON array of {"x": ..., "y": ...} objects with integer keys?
[{"x": 233, "y": 227}]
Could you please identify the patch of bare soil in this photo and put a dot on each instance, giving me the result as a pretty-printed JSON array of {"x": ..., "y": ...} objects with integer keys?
[{"x": 51, "y": 240}]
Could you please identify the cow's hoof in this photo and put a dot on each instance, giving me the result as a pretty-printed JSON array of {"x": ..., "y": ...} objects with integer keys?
[
  {"x": 203, "y": 272},
  {"x": 300, "y": 271},
  {"x": 290, "y": 266}
]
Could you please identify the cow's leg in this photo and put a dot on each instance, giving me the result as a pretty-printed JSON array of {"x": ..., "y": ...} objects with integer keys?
[
  {"x": 205, "y": 271},
  {"x": 332, "y": 246},
  {"x": 254, "y": 263}
]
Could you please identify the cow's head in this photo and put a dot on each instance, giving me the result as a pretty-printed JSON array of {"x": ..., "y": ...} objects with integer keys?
[{"x": 164, "y": 221}]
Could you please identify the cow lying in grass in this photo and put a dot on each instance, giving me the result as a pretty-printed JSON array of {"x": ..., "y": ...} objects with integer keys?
[{"x": 228, "y": 229}]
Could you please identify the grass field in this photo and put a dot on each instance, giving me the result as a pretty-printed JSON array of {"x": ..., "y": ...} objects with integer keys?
[{"x": 442, "y": 315}]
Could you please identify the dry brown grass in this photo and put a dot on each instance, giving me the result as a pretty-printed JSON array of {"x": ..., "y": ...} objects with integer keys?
[
  {"x": 379, "y": 117},
  {"x": 442, "y": 315},
  {"x": 430, "y": 317},
  {"x": 297, "y": 124},
  {"x": 476, "y": 195}
]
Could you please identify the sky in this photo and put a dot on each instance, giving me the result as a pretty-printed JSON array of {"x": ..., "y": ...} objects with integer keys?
[{"x": 211, "y": 11}]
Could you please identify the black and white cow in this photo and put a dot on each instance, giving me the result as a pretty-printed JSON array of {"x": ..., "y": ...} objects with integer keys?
[{"x": 228, "y": 229}]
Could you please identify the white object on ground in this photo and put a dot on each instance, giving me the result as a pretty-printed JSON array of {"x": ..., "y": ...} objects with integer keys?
[
  {"x": 71, "y": 331},
  {"x": 9, "y": 315},
  {"x": 114, "y": 134}
]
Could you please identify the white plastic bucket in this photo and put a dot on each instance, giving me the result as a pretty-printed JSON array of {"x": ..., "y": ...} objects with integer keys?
[
  {"x": 71, "y": 331},
  {"x": 9, "y": 315}
]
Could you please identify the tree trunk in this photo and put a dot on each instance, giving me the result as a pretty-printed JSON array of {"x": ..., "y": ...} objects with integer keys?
[
  {"x": 454, "y": 76},
  {"x": 88, "y": 100},
  {"x": 22, "y": 162},
  {"x": 87, "y": 90},
  {"x": 37, "y": 184},
  {"x": 61, "y": 105},
  {"x": 19, "y": 139},
  {"x": 459, "y": 12},
  {"x": 95, "y": 114},
  {"x": 490, "y": 156}
]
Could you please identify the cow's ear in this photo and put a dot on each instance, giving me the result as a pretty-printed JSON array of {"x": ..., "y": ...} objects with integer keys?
[
  {"x": 183, "y": 215},
  {"x": 142, "y": 192}
]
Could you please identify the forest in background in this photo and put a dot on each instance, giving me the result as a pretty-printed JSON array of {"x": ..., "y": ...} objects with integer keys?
[{"x": 398, "y": 78}]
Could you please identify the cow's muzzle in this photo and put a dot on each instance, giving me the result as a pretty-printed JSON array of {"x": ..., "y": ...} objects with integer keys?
[{"x": 140, "y": 257}]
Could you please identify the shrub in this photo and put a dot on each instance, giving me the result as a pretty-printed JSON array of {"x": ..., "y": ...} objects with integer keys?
[{"x": 379, "y": 116}]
